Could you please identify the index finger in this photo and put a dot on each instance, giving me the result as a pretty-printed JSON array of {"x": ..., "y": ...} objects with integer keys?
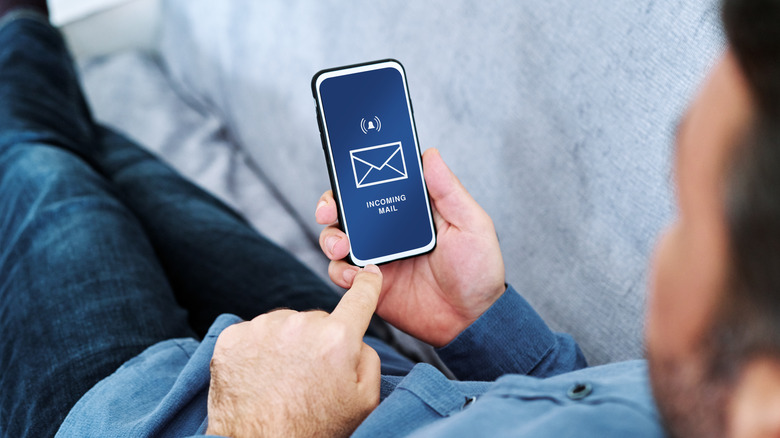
[{"x": 358, "y": 304}]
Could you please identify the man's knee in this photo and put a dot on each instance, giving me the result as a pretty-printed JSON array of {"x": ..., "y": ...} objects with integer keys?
[{"x": 37, "y": 172}]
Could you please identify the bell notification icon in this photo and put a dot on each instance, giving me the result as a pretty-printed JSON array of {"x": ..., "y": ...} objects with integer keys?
[{"x": 371, "y": 125}]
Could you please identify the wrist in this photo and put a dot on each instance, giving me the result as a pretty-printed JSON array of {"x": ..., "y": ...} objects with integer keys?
[{"x": 469, "y": 316}]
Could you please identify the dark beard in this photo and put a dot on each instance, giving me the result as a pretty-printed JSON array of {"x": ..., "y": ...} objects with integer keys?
[{"x": 691, "y": 398}]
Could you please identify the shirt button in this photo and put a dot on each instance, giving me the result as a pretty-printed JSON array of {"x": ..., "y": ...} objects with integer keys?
[
  {"x": 469, "y": 401},
  {"x": 579, "y": 391}
]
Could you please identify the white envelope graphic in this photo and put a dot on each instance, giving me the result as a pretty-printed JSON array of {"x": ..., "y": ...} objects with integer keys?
[{"x": 378, "y": 164}]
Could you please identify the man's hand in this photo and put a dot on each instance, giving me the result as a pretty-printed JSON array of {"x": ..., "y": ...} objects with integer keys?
[
  {"x": 432, "y": 297},
  {"x": 298, "y": 374}
]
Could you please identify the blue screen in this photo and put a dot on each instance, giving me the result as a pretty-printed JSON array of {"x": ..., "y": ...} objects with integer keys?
[{"x": 376, "y": 161}]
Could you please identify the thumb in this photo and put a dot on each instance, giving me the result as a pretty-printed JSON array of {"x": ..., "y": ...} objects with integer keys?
[{"x": 449, "y": 197}]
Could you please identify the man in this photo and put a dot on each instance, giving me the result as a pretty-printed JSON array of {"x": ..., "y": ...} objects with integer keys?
[{"x": 109, "y": 259}]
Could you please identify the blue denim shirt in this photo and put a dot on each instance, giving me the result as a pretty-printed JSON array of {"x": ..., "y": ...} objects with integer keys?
[{"x": 518, "y": 379}]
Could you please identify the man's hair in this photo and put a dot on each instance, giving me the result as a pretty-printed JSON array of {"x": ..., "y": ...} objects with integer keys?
[
  {"x": 753, "y": 30},
  {"x": 748, "y": 323}
]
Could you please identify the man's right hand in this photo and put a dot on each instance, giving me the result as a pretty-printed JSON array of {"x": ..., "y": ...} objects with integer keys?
[{"x": 433, "y": 297}]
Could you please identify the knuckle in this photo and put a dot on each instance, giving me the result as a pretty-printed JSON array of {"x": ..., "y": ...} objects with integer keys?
[
  {"x": 334, "y": 272},
  {"x": 323, "y": 236},
  {"x": 229, "y": 338},
  {"x": 259, "y": 319},
  {"x": 300, "y": 322},
  {"x": 228, "y": 334},
  {"x": 294, "y": 321},
  {"x": 316, "y": 313}
]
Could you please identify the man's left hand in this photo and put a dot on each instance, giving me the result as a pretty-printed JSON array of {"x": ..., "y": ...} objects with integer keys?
[{"x": 297, "y": 374}]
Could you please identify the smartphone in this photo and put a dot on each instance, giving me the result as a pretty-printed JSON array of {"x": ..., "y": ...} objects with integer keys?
[{"x": 368, "y": 133}]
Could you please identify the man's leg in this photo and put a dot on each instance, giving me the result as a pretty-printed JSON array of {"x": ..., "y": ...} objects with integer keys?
[
  {"x": 81, "y": 290},
  {"x": 215, "y": 261},
  {"x": 38, "y": 6}
]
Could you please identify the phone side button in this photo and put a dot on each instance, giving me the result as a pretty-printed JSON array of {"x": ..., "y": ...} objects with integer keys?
[{"x": 319, "y": 122}]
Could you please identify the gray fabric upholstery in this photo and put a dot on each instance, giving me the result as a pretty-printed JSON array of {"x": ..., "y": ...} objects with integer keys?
[
  {"x": 557, "y": 115},
  {"x": 131, "y": 92}
]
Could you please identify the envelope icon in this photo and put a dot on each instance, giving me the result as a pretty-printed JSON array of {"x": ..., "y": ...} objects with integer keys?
[{"x": 378, "y": 164}]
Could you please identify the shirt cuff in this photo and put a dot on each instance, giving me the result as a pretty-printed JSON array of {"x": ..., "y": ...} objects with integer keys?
[{"x": 510, "y": 337}]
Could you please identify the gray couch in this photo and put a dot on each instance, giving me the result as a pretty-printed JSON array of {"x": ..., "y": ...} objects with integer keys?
[{"x": 557, "y": 115}]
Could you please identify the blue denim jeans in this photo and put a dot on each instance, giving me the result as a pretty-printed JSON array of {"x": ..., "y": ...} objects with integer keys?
[{"x": 105, "y": 250}]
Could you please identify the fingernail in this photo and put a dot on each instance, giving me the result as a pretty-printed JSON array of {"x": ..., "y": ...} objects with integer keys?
[
  {"x": 331, "y": 242},
  {"x": 317, "y": 210},
  {"x": 374, "y": 269},
  {"x": 349, "y": 275}
]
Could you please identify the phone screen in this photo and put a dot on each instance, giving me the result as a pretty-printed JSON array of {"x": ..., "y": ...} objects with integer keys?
[{"x": 370, "y": 142}]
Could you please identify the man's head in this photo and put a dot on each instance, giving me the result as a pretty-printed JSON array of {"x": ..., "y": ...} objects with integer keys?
[{"x": 713, "y": 332}]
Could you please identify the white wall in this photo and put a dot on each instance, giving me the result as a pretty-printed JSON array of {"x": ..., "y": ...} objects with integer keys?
[
  {"x": 67, "y": 11},
  {"x": 98, "y": 27}
]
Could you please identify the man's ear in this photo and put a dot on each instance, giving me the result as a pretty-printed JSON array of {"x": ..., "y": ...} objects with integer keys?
[{"x": 754, "y": 409}]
